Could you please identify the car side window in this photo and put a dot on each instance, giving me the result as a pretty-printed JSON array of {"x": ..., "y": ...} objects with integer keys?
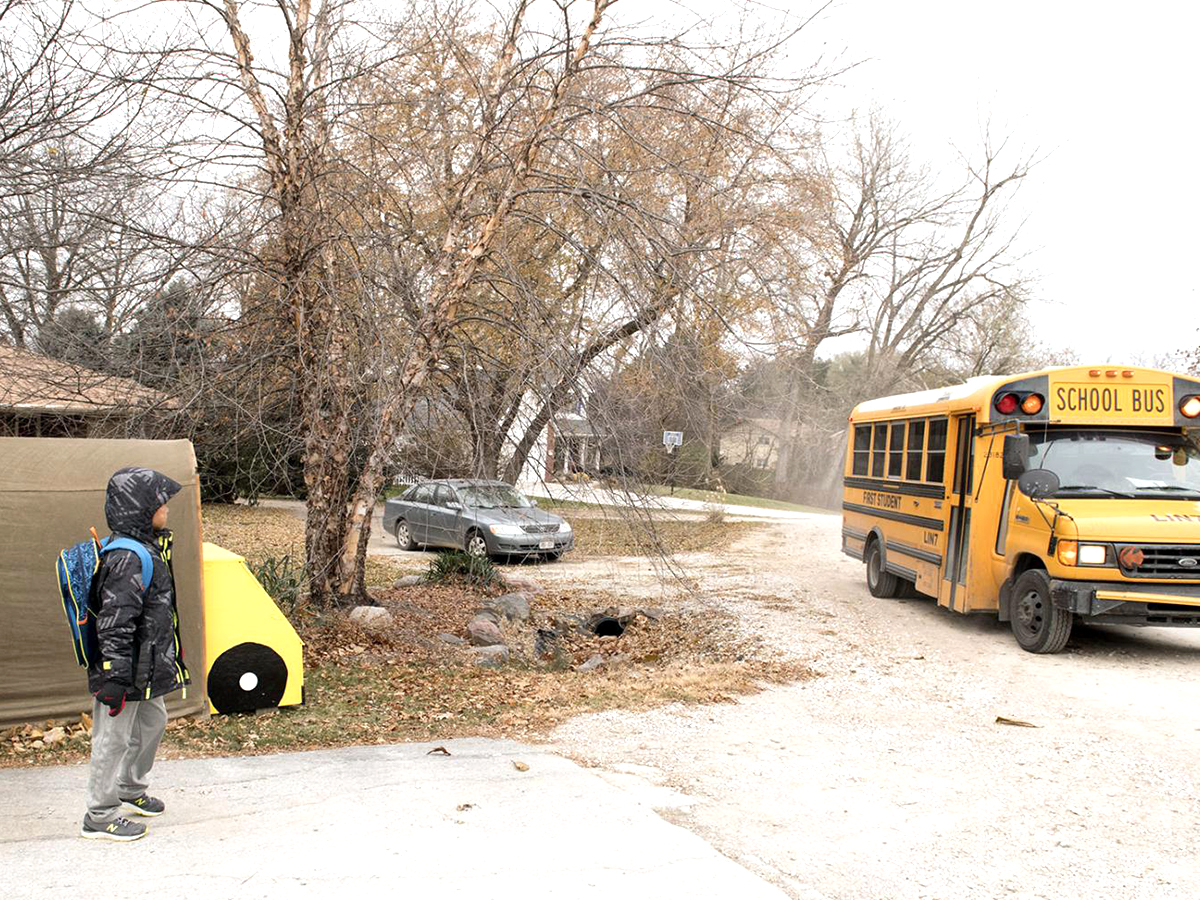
[
  {"x": 423, "y": 494},
  {"x": 445, "y": 496}
]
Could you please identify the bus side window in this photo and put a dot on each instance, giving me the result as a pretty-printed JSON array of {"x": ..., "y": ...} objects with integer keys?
[
  {"x": 880, "y": 450},
  {"x": 862, "y": 450},
  {"x": 896, "y": 450},
  {"x": 916, "y": 449},
  {"x": 935, "y": 465}
]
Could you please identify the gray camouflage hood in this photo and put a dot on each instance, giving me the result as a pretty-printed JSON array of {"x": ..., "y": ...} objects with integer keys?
[{"x": 134, "y": 495}]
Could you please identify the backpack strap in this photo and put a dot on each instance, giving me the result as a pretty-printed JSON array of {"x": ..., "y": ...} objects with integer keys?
[{"x": 112, "y": 543}]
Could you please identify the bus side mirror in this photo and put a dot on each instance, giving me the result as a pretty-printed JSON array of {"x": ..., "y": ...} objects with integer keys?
[
  {"x": 1038, "y": 484},
  {"x": 1016, "y": 455}
]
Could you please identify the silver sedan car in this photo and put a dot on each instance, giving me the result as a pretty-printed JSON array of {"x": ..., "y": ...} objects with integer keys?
[{"x": 485, "y": 518}]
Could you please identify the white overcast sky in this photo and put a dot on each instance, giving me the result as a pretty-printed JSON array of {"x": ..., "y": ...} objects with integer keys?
[{"x": 1105, "y": 94}]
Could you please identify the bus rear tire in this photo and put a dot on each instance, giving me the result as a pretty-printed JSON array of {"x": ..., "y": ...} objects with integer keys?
[
  {"x": 1038, "y": 625},
  {"x": 880, "y": 582}
]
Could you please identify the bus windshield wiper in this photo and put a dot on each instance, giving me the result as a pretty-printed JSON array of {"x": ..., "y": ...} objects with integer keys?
[
  {"x": 1170, "y": 487},
  {"x": 1093, "y": 487}
]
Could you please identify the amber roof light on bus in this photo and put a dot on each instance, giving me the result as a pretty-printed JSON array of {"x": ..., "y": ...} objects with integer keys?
[
  {"x": 1190, "y": 407},
  {"x": 1032, "y": 405},
  {"x": 1006, "y": 404}
]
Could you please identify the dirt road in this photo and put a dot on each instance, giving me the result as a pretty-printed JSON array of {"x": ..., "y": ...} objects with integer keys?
[{"x": 889, "y": 777}]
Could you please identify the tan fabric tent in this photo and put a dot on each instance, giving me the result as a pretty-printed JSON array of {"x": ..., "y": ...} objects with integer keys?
[{"x": 51, "y": 492}]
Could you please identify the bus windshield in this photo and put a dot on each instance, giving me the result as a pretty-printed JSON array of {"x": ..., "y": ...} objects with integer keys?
[{"x": 1097, "y": 463}]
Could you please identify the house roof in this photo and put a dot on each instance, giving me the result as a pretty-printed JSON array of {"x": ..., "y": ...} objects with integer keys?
[
  {"x": 753, "y": 425},
  {"x": 570, "y": 425},
  {"x": 33, "y": 383}
]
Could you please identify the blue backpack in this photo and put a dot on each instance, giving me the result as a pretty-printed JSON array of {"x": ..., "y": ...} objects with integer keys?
[{"x": 77, "y": 567}]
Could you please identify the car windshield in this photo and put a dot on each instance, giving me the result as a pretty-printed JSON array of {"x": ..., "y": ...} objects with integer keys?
[
  {"x": 494, "y": 496},
  {"x": 1119, "y": 463}
]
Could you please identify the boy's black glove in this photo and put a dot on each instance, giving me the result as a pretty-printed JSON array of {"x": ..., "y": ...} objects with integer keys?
[{"x": 112, "y": 694}]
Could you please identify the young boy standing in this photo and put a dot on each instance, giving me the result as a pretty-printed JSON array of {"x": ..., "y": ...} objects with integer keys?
[{"x": 141, "y": 657}]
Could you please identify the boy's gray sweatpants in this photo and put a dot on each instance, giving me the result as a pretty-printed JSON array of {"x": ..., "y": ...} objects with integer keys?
[{"x": 123, "y": 749}]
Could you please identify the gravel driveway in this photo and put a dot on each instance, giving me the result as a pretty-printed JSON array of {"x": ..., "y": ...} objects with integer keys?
[{"x": 889, "y": 776}]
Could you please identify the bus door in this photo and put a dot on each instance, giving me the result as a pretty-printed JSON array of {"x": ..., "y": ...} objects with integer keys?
[{"x": 953, "y": 591}]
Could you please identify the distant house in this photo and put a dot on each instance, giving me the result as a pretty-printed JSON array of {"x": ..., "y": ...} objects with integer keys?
[
  {"x": 751, "y": 442},
  {"x": 43, "y": 397},
  {"x": 569, "y": 445},
  {"x": 572, "y": 446}
]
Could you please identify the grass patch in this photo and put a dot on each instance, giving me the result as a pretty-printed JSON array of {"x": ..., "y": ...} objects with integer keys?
[
  {"x": 457, "y": 565},
  {"x": 663, "y": 490},
  {"x": 560, "y": 503},
  {"x": 283, "y": 578},
  {"x": 620, "y": 537}
]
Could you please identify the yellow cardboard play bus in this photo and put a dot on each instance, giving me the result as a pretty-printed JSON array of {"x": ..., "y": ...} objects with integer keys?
[{"x": 1070, "y": 493}]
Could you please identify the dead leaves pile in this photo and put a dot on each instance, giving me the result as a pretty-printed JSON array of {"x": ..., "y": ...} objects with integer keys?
[
  {"x": 255, "y": 532},
  {"x": 403, "y": 683},
  {"x": 55, "y": 737}
]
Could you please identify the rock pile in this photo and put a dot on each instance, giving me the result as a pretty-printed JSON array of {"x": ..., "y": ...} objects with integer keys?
[
  {"x": 24, "y": 738},
  {"x": 372, "y": 617},
  {"x": 507, "y": 627}
]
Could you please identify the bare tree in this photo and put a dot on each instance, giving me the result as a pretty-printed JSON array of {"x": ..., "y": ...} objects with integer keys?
[
  {"x": 448, "y": 211},
  {"x": 902, "y": 263},
  {"x": 96, "y": 238}
]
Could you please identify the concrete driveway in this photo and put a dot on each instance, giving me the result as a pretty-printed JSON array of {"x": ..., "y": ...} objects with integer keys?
[{"x": 381, "y": 821}]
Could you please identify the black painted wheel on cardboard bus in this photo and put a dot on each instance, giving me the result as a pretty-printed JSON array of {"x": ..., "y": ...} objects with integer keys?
[
  {"x": 1038, "y": 625},
  {"x": 880, "y": 582}
]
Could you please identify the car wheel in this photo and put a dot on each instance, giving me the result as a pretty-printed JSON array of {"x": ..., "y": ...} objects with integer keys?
[
  {"x": 404, "y": 536},
  {"x": 1038, "y": 625},
  {"x": 476, "y": 545},
  {"x": 880, "y": 582}
]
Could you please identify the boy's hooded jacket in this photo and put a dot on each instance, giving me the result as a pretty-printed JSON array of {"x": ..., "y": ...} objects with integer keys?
[{"x": 138, "y": 630}]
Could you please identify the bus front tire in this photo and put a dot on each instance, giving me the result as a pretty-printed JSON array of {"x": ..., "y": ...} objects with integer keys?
[
  {"x": 1038, "y": 625},
  {"x": 880, "y": 582}
]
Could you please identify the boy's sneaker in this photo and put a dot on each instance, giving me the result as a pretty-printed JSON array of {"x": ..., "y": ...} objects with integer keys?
[
  {"x": 118, "y": 829},
  {"x": 144, "y": 806}
]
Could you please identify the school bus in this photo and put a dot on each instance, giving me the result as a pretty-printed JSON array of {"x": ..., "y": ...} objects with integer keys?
[{"x": 1046, "y": 498}]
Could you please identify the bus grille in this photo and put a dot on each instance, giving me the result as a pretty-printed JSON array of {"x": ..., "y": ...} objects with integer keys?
[{"x": 1165, "y": 561}]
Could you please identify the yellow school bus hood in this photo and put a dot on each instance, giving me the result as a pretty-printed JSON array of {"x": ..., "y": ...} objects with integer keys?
[{"x": 1152, "y": 521}]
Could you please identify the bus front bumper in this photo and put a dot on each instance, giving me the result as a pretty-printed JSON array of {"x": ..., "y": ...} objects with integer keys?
[{"x": 1125, "y": 603}]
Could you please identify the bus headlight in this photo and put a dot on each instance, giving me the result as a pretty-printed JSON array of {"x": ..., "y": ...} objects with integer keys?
[{"x": 1073, "y": 553}]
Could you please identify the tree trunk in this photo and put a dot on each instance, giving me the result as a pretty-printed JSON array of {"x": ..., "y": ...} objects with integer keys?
[{"x": 787, "y": 432}]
